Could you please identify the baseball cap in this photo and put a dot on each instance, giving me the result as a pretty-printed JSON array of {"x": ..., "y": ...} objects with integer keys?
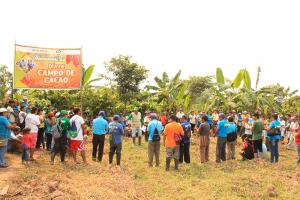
[{"x": 116, "y": 117}]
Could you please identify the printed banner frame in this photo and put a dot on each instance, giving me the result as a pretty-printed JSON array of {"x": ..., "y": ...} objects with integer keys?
[{"x": 47, "y": 68}]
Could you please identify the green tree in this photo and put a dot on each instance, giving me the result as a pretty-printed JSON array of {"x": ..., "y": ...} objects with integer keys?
[
  {"x": 6, "y": 80},
  {"x": 127, "y": 75}
]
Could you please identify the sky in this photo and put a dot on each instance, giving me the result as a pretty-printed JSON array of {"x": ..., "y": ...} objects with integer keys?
[{"x": 164, "y": 35}]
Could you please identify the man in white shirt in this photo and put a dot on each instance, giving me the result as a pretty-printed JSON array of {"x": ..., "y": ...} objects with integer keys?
[
  {"x": 77, "y": 142},
  {"x": 32, "y": 121},
  {"x": 180, "y": 114},
  {"x": 294, "y": 127}
]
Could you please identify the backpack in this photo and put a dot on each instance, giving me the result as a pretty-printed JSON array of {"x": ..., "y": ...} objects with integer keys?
[
  {"x": 275, "y": 131},
  {"x": 156, "y": 136},
  {"x": 56, "y": 131},
  {"x": 73, "y": 132}
]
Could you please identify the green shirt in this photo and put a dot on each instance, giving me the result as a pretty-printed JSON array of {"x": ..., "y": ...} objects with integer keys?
[
  {"x": 65, "y": 123},
  {"x": 258, "y": 128}
]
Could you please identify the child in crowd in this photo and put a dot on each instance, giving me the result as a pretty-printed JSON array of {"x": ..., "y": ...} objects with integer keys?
[
  {"x": 26, "y": 143},
  {"x": 247, "y": 151}
]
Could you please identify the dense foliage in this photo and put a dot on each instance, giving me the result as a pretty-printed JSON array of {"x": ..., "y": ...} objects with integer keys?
[{"x": 124, "y": 92}]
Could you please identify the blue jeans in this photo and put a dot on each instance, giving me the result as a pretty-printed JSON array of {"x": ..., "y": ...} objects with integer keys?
[
  {"x": 25, "y": 153},
  {"x": 274, "y": 150},
  {"x": 3, "y": 150}
]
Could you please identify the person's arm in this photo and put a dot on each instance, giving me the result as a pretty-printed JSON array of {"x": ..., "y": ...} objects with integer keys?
[
  {"x": 129, "y": 116},
  {"x": 121, "y": 130}
]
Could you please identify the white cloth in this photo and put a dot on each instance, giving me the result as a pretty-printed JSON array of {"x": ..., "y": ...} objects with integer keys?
[
  {"x": 179, "y": 115},
  {"x": 78, "y": 122},
  {"x": 192, "y": 119},
  {"x": 22, "y": 116},
  {"x": 32, "y": 121}
]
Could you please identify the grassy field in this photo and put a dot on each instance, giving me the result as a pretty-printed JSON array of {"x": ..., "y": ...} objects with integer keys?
[{"x": 134, "y": 180}]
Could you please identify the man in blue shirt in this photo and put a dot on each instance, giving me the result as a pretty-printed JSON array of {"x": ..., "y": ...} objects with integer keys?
[
  {"x": 274, "y": 139},
  {"x": 154, "y": 140},
  {"x": 222, "y": 138},
  {"x": 100, "y": 128},
  {"x": 184, "y": 152},
  {"x": 5, "y": 133},
  {"x": 116, "y": 131}
]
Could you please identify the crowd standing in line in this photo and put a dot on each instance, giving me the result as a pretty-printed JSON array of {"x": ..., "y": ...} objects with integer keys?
[{"x": 29, "y": 128}]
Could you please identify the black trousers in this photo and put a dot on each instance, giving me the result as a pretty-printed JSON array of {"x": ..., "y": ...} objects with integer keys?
[
  {"x": 115, "y": 148},
  {"x": 184, "y": 153},
  {"x": 59, "y": 147},
  {"x": 98, "y": 144},
  {"x": 221, "y": 149},
  {"x": 40, "y": 138},
  {"x": 48, "y": 141}
]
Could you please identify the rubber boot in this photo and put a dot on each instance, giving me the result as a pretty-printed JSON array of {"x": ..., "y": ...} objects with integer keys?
[
  {"x": 176, "y": 164},
  {"x": 133, "y": 139},
  {"x": 168, "y": 161},
  {"x": 140, "y": 140}
]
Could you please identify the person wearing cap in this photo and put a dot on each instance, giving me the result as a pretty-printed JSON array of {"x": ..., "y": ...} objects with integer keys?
[
  {"x": 5, "y": 133},
  {"x": 231, "y": 138},
  {"x": 172, "y": 134},
  {"x": 154, "y": 141},
  {"x": 115, "y": 131},
  {"x": 60, "y": 144},
  {"x": 136, "y": 125},
  {"x": 274, "y": 139},
  {"x": 32, "y": 121},
  {"x": 147, "y": 120},
  {"x": 184, "y": 151},
  {"x": 222, "y": 132},
  {"x": 49, "y": 122},
  {"x": 100, "y": 128}
]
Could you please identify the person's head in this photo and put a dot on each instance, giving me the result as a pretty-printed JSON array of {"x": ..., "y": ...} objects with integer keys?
[
  {"x": 274, "y": 117},
  {"x": 288, "y": 116},
  {"x": 76, "y": 111},
  {"x": 63, "y": 113},
  {"x": 230, "y": 119},
  {"x": 216, "y": 111},
  {"x": 101, "y": 113},
  {"x": 184, "y": 118},
  {"x": 34, "y": 110},
  {"x": 180, "y": 109},
  {"x": 12, "y": 102},
  {"x": 23, "y": 108},
  {"x": 222, "y": 116},
  {"x": 25, "y": 99},
  {"x": 50, "y": 115},
  {"x": 40, "y": 111},
  {"x": 204, "y": 119},
  {"x": 192, "y": 112},
  {"x": 3, "y": 112},
  {"x": 26, "y": 131},
  {"x": 173, "y": 118},
  {"x": 136, "y": 110},
  {"x": 256, "y": 115},
  {"x": 116, "y": 118},
  {"x": 153, "y": 116},
  {"x": 234, "y": 112}
]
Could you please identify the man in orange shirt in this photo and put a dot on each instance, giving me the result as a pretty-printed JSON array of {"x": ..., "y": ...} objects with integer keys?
[
  {"x": 163, "y": 118},
  {"x": 172, "y": 134}
]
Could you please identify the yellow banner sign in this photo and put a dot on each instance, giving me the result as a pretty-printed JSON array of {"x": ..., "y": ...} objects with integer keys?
[{"x": 45, "y": 68}]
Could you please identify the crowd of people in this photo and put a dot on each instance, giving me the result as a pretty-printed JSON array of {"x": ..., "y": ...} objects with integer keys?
[{"x": 28, "y": 128}]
